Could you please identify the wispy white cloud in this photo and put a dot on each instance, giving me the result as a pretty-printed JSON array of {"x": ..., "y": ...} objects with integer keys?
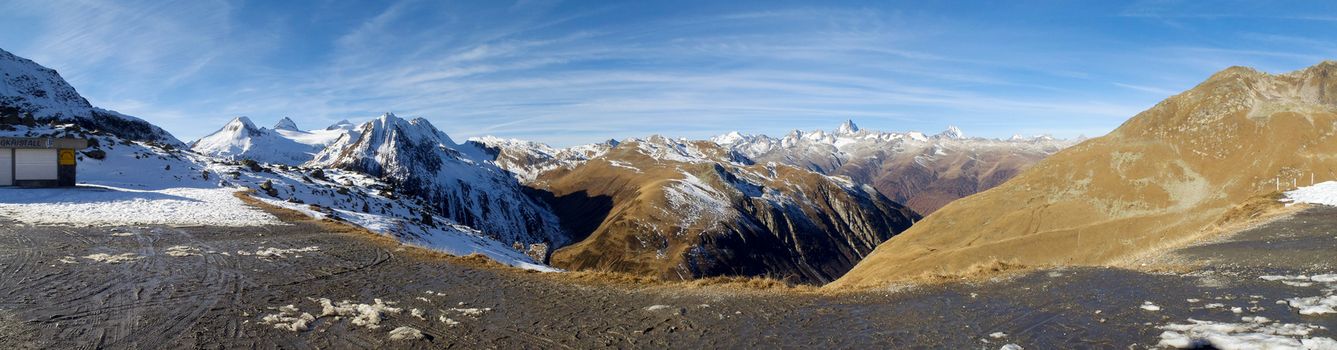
[{"x": 568, "y": 73}]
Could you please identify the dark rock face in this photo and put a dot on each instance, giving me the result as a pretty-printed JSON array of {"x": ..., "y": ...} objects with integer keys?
[{"x": 811, "y": 245}]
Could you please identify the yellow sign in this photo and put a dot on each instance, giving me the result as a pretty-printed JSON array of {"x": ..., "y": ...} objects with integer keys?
[{"x": 66, "y": 157}]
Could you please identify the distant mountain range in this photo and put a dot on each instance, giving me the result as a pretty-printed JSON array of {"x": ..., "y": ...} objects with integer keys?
[
  {"x": 806, "y": 207},
  {"x": 924, "y": 172}
]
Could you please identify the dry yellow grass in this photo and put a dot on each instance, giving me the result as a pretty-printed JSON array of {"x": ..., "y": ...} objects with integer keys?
[{"x": 1168, "y": 177}]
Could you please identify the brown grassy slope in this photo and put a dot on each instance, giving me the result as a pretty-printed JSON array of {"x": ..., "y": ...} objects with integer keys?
[
  {"x": 1161, "y": 179},
  {"x": 645, "y": 232}
]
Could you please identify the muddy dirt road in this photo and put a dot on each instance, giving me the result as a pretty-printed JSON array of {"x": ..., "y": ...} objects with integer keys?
[{"x": 218, "y": 287}]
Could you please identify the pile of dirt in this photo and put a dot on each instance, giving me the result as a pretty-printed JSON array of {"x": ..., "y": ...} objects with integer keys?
[{"x": 1164, "y": 178}]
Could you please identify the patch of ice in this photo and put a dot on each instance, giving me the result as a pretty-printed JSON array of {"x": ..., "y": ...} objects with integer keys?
[
  {"x": 1147, "y": 305},
  {"x": 997, "y": 335},
  {"x": 1011, "y": 347}
]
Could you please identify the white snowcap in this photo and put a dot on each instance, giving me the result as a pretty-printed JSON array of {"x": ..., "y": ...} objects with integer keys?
[
  {"x": 847, "y": 128},
  {"x": 728, "y": 139},
  {"x": 952, "y": 132},
  {"x": 342, "y": 124},
  {"x": 286, "y": 124},
  {"x": 240, "y": 123}
]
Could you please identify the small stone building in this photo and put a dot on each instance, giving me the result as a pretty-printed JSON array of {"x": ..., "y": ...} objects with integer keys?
[{"x": 39, "y": 161}]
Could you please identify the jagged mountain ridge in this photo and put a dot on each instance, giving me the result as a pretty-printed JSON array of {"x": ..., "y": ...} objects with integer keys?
[
  {"x": 28, "y": 88},
  {"x": 681, "y": 209},
  {"x": 285, "y": 144},
  {"x": 127, "y": 158},
  {"x": 456, "y": 181},
  {"x": 529, "y": 159},
  {"x": 923, "y": 172},
  {"x": 1171, "y": 174}
]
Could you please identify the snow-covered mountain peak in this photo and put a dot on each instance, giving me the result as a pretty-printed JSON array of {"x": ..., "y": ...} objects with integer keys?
[
  {"x": 847, "y": 128},
  {"x": 730, "y": 138},
  {"x": 342, "y": 125},
  {"x": 241, "y": 124},
  {"x": 39, "y": 88},
  {"x": 458, "y": 180},
  {"x": 241, "y": 139},
  {"x": 286, "y": 124},
  {"x": 417, "y": 130},
  {"x": 952, "y": 132}
]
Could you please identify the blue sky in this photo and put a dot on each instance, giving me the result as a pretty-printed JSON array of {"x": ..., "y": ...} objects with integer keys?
[{"x": 582, "y": 71}]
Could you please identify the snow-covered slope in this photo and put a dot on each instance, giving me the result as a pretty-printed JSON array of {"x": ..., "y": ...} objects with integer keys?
[
  {"x": 453, "y": 180},
  {"x": 924, "y": 172},
  {"x": 29, "y": 89},
  {"x": 138, "y": 183},
  {"x": 528, "y": 159},
  {"x": 133, "y": 173},
  {"x": 285, "y": 144}
]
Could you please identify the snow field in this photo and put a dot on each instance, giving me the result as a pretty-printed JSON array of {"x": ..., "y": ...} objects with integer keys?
[{"x": 94, "y": 205}]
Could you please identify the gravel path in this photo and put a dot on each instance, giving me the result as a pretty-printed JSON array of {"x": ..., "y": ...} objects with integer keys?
[{"x": 221, "y": 287}]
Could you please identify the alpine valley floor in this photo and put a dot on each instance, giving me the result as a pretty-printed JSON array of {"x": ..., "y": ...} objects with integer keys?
[{"x": 314, "y": 285}]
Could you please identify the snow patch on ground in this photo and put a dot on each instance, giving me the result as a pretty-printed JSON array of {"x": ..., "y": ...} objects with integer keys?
[
  {"x": 182, "y": 251},
  {"x": 113, "y": 259},
  {"x": 472, "y": 312},
  {"x": 288, "y": 318},
  {"x": 448, "y": 321},
  {"x": 364, "y": 315},
  {"x": 1315, "y": 305},
  {"x": 1147, "y": 305},
  {"x": 1324, "y": 193},
  {"x": 406, "y": 333},
  {"x": 278, "y": 253},
  {"x": 1251, "y": 333},
  {"x": 94, "y": 205}
]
